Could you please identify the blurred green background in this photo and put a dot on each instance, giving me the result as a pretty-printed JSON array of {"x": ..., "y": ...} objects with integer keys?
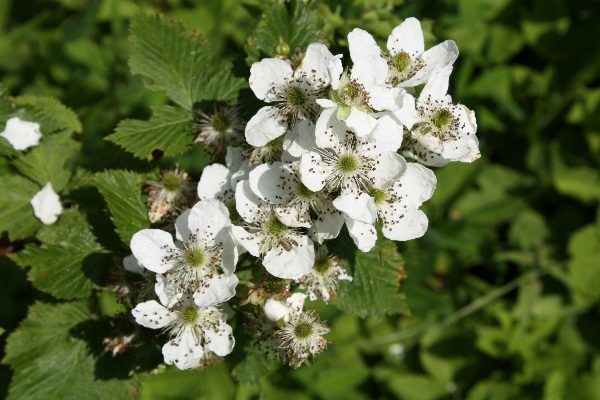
[{"x": 504, "y": 288}]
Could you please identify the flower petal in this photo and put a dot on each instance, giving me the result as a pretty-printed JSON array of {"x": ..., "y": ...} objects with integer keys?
[
  {"x": 335, "y": 72},
  {"x": 315, "y": 65},
  {"x": 293, "y": 216},
  {"x": 359, "y": 207},
  {"x": 218, "y": 289},
  {"x": 275, "y": 310},
  {"x": 293, "y": 263},
  {"x": 46, "y": 205},
  {"x": 388, "y": 133},
  {"x": 327, "y": 226},
  {"x": 270, "y": 182},
  {"x": 247, "y": 204},
  {"x": 407, "y": 114},
  {"x": 152, "y": 315},
  {"x": 440, "y": 56},
  {"x": 437, "y": 85},
  {"x": 360, "y": 122},
  {"x": 389, "y": 168},
  {"x": 301, "y": 139},
  {"x": 185, "y": 351},
  {"x": 153, "y": 248},
  {"x": 131, "y": 264},
  {"x": 361, "y": 44},
  {"x": 220, "y": 340},
  {"x": 408, "y": 37},
  {"x": 214, "y": 182},
  {"x": 267, "y": 74},
  {"x": 266, "y": 125},
  {"x": 21, "y": 134},
  {"x": 386, "y": 98},
  {"x": 416, "y": 185},
  {"x": 330, "y": 132},
  {"x": 248, "y": 241},
  {"x": 207, "y": 219},
  {"x": 363, "y": 234},
  {"x": 412, "y": 225},
  {"x": 370, "y": 72},
  {"x": 313, "y": 172}
]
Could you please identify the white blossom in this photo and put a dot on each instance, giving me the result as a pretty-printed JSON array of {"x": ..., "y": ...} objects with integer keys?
[
  {"x": 21, "y": 134},
  {"x": 168, "y": 195},
  {"x": 195, "y": 332},
  {"x": 46, "y": 205},
  {"x": 220, "y": 128},
  {"x": 322, "y": 280}
]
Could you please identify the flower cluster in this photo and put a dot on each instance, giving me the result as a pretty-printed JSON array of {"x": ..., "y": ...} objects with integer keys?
[{"x": 326, "y": 150}]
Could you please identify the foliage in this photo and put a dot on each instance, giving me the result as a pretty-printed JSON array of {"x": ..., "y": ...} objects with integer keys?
[{"x": 499, "y": 299}]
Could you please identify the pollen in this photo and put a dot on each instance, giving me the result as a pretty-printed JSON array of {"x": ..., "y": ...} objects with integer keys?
[
  {"x": 303, "y": 329},
  {"x": 348, "y": 164},
  {"x": 401, "y": 61},
  {"x": 379, "y": 196},
  {"x": 442, "y": 118},
  {"x": 296, "y": 96},
  {"x": 274, "y": 227},
  {"x": 194, "y": 258},
  {"x": 189, "y": 315}
]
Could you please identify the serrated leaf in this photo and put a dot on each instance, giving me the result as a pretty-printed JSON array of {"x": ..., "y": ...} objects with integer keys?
[
  {"x": 67, "y": 258},
  {"x": 16, "y": 213},
  {"x": 290, "y": 22},
  {"x": 121, "y": 190},
  {"x": 49, "y": 363},
  {"x": 6, "y": 148},
  {"x": 169, "y": 129},
  {"x": 170, "y": 58},
  {"x": 224, "y": 86},
  {"x": 254, "y": 365},
  {"x": 375, "y": 288},
  {"x": 50, "y": 161}
]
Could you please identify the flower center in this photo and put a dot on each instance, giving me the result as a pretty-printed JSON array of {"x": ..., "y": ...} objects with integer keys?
[
  {"x": 219, "y": 122},
  {"x": 442, "y": 118},
  {"x": 170, "y": 181},
  {"x": 303, "y": 329},
  {"x": 322, "y": 265},
  {"x": 348, "y": 164},
  {"x": 194, "y": 258},
  {"x": 304, "y": 192},
  {"x": 379, "y": 196},
  {"x": 274, "y": 285},
  {"x": 296, "y": 96},
  {"x": 189, "y": 315},
  {"x": 274, "y": 227},
  {"x": 401, "y": 61}
]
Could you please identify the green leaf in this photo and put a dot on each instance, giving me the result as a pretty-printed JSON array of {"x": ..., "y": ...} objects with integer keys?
[
  {"x": 121, "y": 190},
  {"x": 584, "y": 249},
  {"x": 66, "y": 260},
  {"x": 50, "y": 161},
  {"x": 50, "y": 363},
  {"x": 16, "y": 213},
  {"x": 170, "y": 57},
  {"x": 6, "y": 148},
  {"x": 375, "y": 288},
  {"x": 292, "y": 23},
  {"x": 224, "y": 86},
  {"x": 169, "y": 129}
]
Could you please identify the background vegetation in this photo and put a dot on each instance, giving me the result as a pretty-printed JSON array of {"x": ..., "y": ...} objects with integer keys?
[{"x": 504, "y": 289}]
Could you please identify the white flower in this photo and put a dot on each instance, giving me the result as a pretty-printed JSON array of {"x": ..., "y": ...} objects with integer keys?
[
  {"x": 21, "y": 134},
  {"x": 322, "y": 280},
  {"x": 220, "y": 128},
  {"x": 351, "y": 164},
  {"x": 168, "y": 195},
  {"x": 131, "y": 264},
  {"x": 300, "y": 333},
  {"x": 397, "y": 207},
  {"x": 195, "y": 265},
  {"x": 286, "y": 252},
  {"x": 406, "y": 64},
  {"x": 195, "y": 332},
  {"x": 292, "y": 93},
  {"x": 218, "y": 181},
  {"x": 46, "y": 205},
  {"x": 441, "y": 131}
]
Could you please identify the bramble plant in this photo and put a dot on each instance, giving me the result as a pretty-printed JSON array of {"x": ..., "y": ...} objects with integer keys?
[{"x": 247, "y": 218}]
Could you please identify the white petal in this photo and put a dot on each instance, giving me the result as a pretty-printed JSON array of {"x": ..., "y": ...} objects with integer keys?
[
  {"x": 326, "y": 103},
  {"x": 152, "y": 315},
  {"x": 266, "y": 74},
  {"x": 361, "y": 44},
  {"x": 182, "y": 232},
  {"x": 220, "y": 341},
  {"x": 416, "y": 185},
  {"x": 407, "y": 114},
  {"x": 233, "y": 157},
  {"x": 295, "y": 303},
  {"x": 276, "y": 310},
  {"x": 359, "y": 207},
  {"x": 46, "y": 205},
  {"x": 246, "y": 240},
  {"x": 330, "y": 132},
  {"x": 266, "y": 125},
  {"x": 437, "y": 85},
  {"x": 131, "y": 264},
  {"x": 315, "y": 65},
  {"x": 386, "y": 98},
  {"x": 214, "y": 182},
  {"x": 370, "y": 71},
  {"x": 167, "y": 291},
  {"x": 294, "y": 216},
  {"x": 389, "y": 168},
  {"x": 363, "y": 234},
  {"x": 152, "y": 248},
  {"x": 292, "y": 263},
  {"x": 313, "y": 171},
  {"x": 301, "y": 139},
  {"x": 327, "y": 226},
  {"x": 185, "y": 352},
  {"x": 335, "y": 72},
  {"x": 266, "y": 182},
  {"x": 412, "y": 225},
  {"x": 408, "y": 37},
  {"x": 231, "y": 252},
  {"x": 360, "y": 122},
  {"x": 208, "y": 219},
  {"x": 440, "y": 56},
  {"x": 218, "y": 289},
  {"x": 247, "y": 204},
  {"x": 21, "y": 134},
  {"x": 388, "y": 133}
]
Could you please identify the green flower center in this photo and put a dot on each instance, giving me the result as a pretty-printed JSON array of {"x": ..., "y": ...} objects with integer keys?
[
  {"x": 379, "y": 196},
  {"x": 274, "y": 227},
  {"x": 347, "y": 164},
  {"x": 274, "y": 285},
  {"x": 189, "y": 315},
  {"x": 219, "y": 122},
  {"x": 442, "y": 118},
  {"x": 296, "y": 96},
  {"x": 303, "y": 330},
  {"x": 401, "y": 61},
  {"x": 194, "y": 258},
  {"x": 322, "y": 265},
  {"x": 171, "y": 182}
]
